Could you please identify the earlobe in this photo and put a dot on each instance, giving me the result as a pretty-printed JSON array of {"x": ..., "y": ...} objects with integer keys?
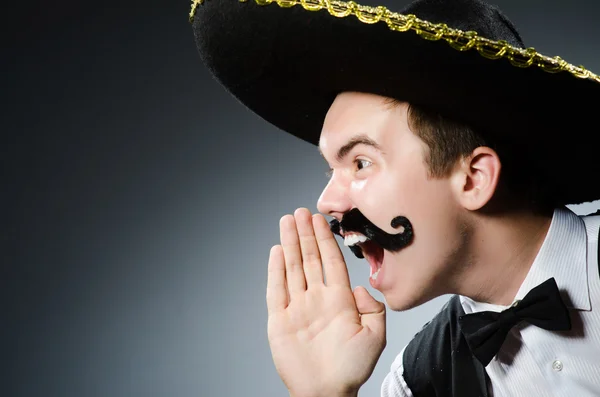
[{"x": 480, "y": 174}]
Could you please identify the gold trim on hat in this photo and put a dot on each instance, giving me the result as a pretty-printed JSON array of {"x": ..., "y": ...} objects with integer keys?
[{"x": 457, "y": 39}]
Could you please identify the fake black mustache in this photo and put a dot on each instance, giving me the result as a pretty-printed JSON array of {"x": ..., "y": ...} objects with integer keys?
[{"x": 355, "y": 221}]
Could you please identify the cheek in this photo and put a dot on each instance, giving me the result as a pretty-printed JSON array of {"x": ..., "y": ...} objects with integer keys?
[
  {"x": 364, "y": 193},
  {"x": 411, "y": 189},
  {"x": 377, "y": 199},
  {"x": 357, "y": 187},
  {"x": 383, "y": 196}
]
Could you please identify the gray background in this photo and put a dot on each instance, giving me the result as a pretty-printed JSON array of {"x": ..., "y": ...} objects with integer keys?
[{"x": 139, "y": 202}]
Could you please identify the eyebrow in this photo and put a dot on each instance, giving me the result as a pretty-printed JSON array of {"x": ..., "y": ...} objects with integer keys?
[{"x": 361, "y": 139}]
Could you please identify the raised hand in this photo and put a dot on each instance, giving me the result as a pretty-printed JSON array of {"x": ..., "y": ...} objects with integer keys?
[{"x": 325, "y": 339}]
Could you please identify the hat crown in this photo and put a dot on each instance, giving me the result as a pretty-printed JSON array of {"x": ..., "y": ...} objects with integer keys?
[
  {"x": 286, "y": 60},
  {"x": 468, "y": 15}
]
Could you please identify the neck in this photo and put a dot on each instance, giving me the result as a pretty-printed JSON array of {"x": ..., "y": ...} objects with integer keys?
[{"x": 502, "y": 250}]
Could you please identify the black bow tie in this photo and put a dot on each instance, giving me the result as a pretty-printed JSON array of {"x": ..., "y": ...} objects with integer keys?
[{"x": 542, "y": 306}]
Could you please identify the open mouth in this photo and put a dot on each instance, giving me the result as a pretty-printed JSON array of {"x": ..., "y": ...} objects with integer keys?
[{"x": 369, "y": 250}]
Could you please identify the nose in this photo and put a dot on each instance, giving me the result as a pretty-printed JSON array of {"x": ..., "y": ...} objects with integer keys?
[{"x": 334, "y": 200}]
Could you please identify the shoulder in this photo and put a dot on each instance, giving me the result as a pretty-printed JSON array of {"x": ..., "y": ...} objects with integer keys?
[
  {"x": 411, "y": 361},
  {"x": 394, "y": 384},
  {"x": 429, "y": 357},
  {"x": 437, "y": 334}
]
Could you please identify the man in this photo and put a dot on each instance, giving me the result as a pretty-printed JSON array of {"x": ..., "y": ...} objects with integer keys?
[{"x": 449, "y": 173}]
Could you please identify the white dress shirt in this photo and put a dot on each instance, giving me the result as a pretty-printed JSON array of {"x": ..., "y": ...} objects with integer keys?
[{"x": 533, "y": 361}]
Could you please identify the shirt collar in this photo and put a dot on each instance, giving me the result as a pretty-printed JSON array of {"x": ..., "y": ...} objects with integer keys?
[{"x": 563, "y": 255}]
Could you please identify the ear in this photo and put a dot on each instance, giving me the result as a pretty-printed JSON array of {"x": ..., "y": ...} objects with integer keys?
[{"x": 476, "y": 178}]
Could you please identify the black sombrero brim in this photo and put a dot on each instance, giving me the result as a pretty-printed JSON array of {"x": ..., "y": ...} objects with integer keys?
[{"x": 287, "y": 60}]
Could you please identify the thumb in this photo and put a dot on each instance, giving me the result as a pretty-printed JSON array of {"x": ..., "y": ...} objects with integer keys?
[{"x": 372, "y": 311}]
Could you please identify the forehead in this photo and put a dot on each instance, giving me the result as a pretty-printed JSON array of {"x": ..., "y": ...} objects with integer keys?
[{"x": 354, "y": 113}]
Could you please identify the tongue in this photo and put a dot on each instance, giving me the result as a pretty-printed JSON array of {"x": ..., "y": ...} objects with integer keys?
[{"x": 374, "y": 255}]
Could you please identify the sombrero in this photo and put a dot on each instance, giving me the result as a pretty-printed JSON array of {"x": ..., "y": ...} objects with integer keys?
[{"x": 286, "y": 60}]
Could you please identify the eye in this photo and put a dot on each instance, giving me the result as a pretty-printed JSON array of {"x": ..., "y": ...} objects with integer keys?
[{"x": 360, "y": 164}]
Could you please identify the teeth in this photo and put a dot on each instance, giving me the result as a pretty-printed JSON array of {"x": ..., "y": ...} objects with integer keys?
[{"x": 353, "y": 239}]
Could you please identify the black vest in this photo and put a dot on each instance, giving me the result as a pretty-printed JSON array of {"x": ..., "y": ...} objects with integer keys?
[{"x": 437, "y": 361}]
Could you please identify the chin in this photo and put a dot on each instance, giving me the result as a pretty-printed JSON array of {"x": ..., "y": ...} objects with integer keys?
[
  {"x": 399, "y": 305},
  {"x": 401, "y": 298}
]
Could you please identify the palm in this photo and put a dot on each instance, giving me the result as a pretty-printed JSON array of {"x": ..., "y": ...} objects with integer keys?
[{"x": 319, "y": 342}]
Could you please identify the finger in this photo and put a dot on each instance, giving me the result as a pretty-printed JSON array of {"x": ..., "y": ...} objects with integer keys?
[
  {"x": 372, "y": 312},
  {"x": 294, "y": 274},
  {"x": 311, "y": 258},
  {"x": 331, "y": 256},
  {"x": 277, "y": 295}
]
